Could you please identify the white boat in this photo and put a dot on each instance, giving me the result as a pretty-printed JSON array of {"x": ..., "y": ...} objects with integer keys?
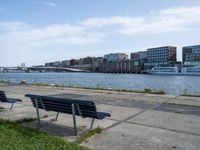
[
  {"x": 164, "y": 70},
  {"x": 175, "y": 70},
  {"x": 192, "y": 70}
]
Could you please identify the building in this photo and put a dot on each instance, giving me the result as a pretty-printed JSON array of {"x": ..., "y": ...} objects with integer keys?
[
  {"x": 88, "y": 60},
  {"x": 123, "y": 66},
  {"x": 86, "y": 63},
  {"x": 97, "y": 63},
  {"x": 23, "y": 65},
  {"x": 139, "y": 55},
  {"x": 53, "y": 64},
  {"x": 160, "y": 56},
  {"x": 65, "y": 63},
  {"x": 113, "y": 57},
  {"x": 191, "y": 54},
  {"x": 74, "y": 62}
]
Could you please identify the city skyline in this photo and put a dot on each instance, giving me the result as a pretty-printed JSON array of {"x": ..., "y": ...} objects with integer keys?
[{"x": 36, "y": 32}]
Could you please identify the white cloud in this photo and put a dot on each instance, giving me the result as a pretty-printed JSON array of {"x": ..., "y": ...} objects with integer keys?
[
  {"x": 50, "y": 35},
  {"x": 87, "y": 31},
  {"x": 49, "y": 4},
  {"x": 19, "y": 38},
  {"x": 12, "y": 26},
  {"x": 168, "y": 20},
  {"x": 117, "y": 20},
  {"x": 20, "y": 41}
]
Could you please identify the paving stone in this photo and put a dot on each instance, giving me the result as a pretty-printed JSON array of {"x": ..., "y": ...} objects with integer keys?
[
  {"x": 169, "y": 120},
  {"x": 128, "y": 136}
]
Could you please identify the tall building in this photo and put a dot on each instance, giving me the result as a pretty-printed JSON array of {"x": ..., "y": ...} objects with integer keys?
[
  {"x": 88, "y": 60},
  {"x": 191, "y": 54},
  {"x": 53, "y": 64},
  {"x": 160, "y": 56},
  {"x": 139, "y": 55},
  {"x": 65, "y": 63},
  {"x": 74, "y": 62},
  {"x": 113, "y": 57}
]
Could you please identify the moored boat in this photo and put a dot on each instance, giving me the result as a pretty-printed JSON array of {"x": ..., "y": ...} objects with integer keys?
[{"x": 175, "y": 70}]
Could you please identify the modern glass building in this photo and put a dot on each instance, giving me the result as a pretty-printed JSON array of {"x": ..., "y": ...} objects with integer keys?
[
  {"x": 160, "y": 56},
  {"x": 191, "y": 54}
]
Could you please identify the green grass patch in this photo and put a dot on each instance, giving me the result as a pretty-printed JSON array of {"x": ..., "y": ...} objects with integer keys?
[
  {"x": 41, "y": 84},
  {"x": 190, "y": 95},
  {"x": 62, "y": 86},
  {"x": 15, "y": 136},
  {"x": 149, "y": 91},
  {"x": 23, "y": 82},
  {"x": 4, "y": 81},
  {"x": 89, "y": 134}
]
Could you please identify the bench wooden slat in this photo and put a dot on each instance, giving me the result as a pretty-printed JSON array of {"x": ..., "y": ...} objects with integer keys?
[
  {"x": 4, "y": 99},
  {"x": 3, "y": 96},
  {"x": 74, "y": 107}
]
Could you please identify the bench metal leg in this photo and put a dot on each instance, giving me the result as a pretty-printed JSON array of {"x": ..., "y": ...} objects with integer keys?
[
  {"x": 11, "y": 106},
  {"x": 92, "y": 123},
  {"x": 37, "y": 110},
  {"x": 74, "y": 119},
  {"x": 57, "y": 116}
]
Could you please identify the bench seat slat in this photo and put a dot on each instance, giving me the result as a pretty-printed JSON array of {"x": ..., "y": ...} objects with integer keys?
[
  {"x": 85, "y": 113},
  {"x": 83, "y": 108},
  {"x": 86, "y": 108},
  {"x": 5, "y": 99},
  {"x": 91, "y": 107}
]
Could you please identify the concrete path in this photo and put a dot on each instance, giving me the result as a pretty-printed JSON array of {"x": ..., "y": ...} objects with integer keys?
[{"x": 138, "y": 121}]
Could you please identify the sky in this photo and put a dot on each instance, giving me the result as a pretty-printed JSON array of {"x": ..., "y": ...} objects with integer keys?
[{"x": 39, "y": 31}]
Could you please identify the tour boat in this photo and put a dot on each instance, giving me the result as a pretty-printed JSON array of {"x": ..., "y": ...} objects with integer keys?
[{"x": 175, "y": 70}]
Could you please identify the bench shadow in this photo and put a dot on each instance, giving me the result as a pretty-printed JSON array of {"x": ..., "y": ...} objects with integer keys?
[{"x": 54, "y": 129}]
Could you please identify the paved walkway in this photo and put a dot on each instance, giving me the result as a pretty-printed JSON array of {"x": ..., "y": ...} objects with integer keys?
[{"x": 138, "y": 122}]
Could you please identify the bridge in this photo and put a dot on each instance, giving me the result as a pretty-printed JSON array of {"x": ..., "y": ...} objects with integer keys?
[{"x": 39, "y": 69}]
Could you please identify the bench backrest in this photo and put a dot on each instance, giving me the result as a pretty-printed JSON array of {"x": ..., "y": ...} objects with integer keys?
[
  {"x": 3, "y": 96},
  {"x": 82, "y": 108}
]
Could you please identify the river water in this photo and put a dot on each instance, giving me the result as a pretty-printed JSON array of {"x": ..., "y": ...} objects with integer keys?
[{"x": 171, "y": 84}]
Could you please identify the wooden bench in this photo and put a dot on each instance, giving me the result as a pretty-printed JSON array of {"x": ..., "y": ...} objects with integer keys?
[
  {"x": 83, "y": 108},
  {"x": 5, "y": 99}
]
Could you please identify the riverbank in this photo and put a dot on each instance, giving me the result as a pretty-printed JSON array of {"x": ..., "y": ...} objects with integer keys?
[
  {"x": 138, "y": 120},
  {"x": 62, "y": 86},
  {"x": 176, "y": 85}
]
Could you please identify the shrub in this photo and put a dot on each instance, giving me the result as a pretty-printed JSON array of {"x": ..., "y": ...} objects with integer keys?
[{"x": 23, "y": 82}]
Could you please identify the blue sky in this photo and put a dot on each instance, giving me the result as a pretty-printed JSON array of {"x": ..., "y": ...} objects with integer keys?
[{"x": 39, "y": 31}]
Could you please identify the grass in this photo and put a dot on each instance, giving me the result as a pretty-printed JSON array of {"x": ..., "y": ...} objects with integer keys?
[
  {"x": 89, "y": 134},
  {"x": 40, "y": 84},
  {"x": 23, "y": 82},
  {"x": 149, "y": 91},
  {"x": 190, "y": 95},
  {"x": 4, "y": 81},
  {"x": 62, "y": 86},
  {"x": 15, "y": 136}
]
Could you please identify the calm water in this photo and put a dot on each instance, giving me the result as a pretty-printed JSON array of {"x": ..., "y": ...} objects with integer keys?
[{"x": 170, "y": 84}]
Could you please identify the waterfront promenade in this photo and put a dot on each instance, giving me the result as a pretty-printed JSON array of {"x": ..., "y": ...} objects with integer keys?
[{"x": 138, "y": 121}]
